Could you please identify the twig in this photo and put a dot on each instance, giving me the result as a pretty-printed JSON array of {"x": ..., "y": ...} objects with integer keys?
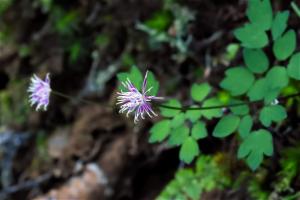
[
  {"x": 184, "y": 108},
  {"x": 295, "y": 8},
  {"x": 27, "y": 185}
]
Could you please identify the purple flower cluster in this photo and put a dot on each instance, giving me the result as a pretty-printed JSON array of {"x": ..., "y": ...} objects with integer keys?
[
  {"x": 134, "y": 101},
  {"x": 39, "y": 91}
]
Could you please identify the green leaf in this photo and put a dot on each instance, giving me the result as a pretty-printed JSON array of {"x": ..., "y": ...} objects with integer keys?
[
  {"x": 211, "y": 113},
  {"x": 260, "y": 13},
  {"x": 271, "y": 113},
  {"x": 279, "y": 24},
  {"x": 168, "y": 112},
  {"x": 136, "y": 78},
  {"x": 277, "y": 78},
  {"x": 178, "y": 120},
  {"x": 258, "y": 90},
  {"x": 193, "y": 115},
  {"x": 294, "y": 67},
  {"x": 254, "y": 159},
  {"x": 239, "y": 110},
  {"x": 226, "y": 126},
  {"x": 160, "y": 131},
  {"x": 256, "y": 60},
  {"x": 179, "y": 135},
  {"x": 254, "y": 146},
  {"x": 245, "y": 126},
  {"x": 199, "y": 130},
  {"x": 200, "y": 91},
  {"x": 271, "y": 95},
  {"x": 231, "y": 51},
  {"x": 152, "y": 82},
  {"x": 238, "y": 80},
  {"x": 189, "y": 150},
  {"x": 285, "y": 46},
  {"x": 122, "y": 77},
  {"x": 251, "y": 37},
  {"x": 160, "y": 21}
]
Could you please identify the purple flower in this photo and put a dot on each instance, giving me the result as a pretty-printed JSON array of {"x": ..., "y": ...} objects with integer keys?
[
  {"x": 135, "y": 101},
  {"x": 39, "y": 91}
]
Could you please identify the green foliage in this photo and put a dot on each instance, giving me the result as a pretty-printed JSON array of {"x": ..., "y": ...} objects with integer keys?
[
  {"x": 75, "y": 51},
  {"x": 186, "y": 128},
  {"x": 256, "y": 60},
  {"x": 160, "y": 21},
  {"x": 160, "y": 131},
  {"x": 152, "y": 82},
  {"x": 193, "y": 115},
  {"x": 295, "y": 8},
  {"x": 294, "y": 67},
  {"x": 231, "y": 51},
  {"x": 189, "y": 150},
  {"x": 4, "y": 5},
  {"x": 258, "y": 79},
  {"x": 289, "y": 164},
  {"x": 279, "y": 24},
  {"x": 273, "y": 113},
  {"x": 285, "y": 46},
  {"x": 258, "y": 90},
  {"x": 245, "y": 126},
  {"x": 251, "y": 37},
  {"x": 179, "y": 135},
  {"x": 226, "y": 126},
  {"x": 166, "y": 112},
  {"x": 45, "y": 5},
  {"x": 262, "y": 82},
  {"x": 238, "y": 80},
  {"x": 275, "y": 74},
  {"x": 239, "y": 110},
  {"x": 200, "y": 91},
  {"x": 170, "y": 26},
  {"x": 136, "y": 78},
  {"x": 212, "y": 113},
  {"x": 65, "y": 22},
  {"x": 260, "y": 14},
  {"x": 190, "y": 184},
  {"x": 255, "y": 146},
  {"x": 199, "y": 130},
  {"x": 178, "y": 120},
  {"x": 14, "y": 108}
]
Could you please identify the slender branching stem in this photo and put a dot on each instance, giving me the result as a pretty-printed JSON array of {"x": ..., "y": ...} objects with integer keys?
[
  {"x": 185, "y": 108},
  {"x": 295, "y": 8},
  {"x": 71, "y": 98}
]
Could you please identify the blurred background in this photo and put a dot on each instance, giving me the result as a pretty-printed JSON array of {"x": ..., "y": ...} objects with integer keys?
[{"x": 80, "y": 151}]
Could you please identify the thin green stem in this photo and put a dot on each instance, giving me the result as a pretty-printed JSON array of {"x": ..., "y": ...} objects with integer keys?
[
  {"x": 185, "y": 108},
  {"x": 295, "y": 8},
  {"x": 71, "y": 98}
]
